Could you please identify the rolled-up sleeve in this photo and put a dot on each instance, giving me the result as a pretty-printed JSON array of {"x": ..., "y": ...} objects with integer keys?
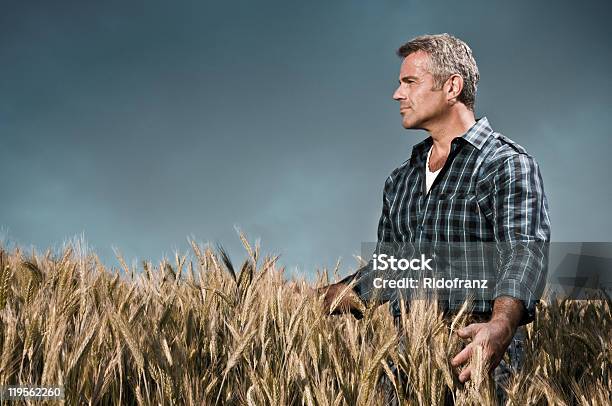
[{"x": 522, "y": 231}]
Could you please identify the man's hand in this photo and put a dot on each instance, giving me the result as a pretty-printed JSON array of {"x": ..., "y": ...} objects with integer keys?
[
  {"x": 494, "y": 336},
  {"x": 340, "y": 298}
]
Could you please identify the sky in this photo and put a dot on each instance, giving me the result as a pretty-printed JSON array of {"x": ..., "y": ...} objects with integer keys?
[{"x": 140, "y": 124}]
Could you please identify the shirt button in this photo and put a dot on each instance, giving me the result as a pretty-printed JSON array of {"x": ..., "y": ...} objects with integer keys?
[{"x": 420, "y": 228}]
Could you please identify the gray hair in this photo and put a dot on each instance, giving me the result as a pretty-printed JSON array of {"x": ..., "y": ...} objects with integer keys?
[{"x": 447, "y": 56}]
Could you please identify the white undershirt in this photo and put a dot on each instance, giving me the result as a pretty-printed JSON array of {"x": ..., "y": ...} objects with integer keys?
[{"x": 430, "y": 176}]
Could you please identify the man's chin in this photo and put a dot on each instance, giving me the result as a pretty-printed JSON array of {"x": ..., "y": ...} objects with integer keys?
[{"x": 409, "y": 125}]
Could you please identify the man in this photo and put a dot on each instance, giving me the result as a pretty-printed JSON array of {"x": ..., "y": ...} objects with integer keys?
[{"x": 464, "y": 183}]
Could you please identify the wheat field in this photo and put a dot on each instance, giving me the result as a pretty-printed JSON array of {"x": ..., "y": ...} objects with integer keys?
[{"x": 198, "y": 331}]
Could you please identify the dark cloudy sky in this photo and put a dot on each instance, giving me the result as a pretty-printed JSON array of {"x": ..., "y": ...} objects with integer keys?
[{"x": 140, "y": 123}]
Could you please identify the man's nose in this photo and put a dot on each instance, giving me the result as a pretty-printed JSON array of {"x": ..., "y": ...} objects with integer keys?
[{"x": 398, "y": 95}]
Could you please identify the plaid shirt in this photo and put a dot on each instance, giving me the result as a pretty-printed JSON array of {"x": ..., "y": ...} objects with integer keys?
[{"x": 489, "y": 190}]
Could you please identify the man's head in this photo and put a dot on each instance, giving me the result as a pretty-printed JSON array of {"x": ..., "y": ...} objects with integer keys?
[{"x": 438, "y": 72}]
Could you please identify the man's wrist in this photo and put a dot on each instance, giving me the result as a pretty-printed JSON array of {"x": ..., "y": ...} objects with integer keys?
[{"x": 509, "y": 311}]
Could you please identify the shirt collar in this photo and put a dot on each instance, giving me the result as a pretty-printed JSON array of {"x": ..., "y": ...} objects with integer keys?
[{"x": 477, "y": 136}]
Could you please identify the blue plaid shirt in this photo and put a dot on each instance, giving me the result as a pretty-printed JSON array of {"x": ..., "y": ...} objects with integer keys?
[{"x": 489, "y": 191}]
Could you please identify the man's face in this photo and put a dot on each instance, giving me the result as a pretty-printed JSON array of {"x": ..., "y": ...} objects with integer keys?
[{"x": 419, "y": 104}]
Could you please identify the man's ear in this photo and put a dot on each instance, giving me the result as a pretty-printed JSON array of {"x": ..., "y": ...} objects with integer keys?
[{"x": 453, "y": 87}]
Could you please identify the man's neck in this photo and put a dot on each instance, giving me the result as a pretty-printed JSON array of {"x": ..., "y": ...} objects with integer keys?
[{"x": 456, "y": 123}]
